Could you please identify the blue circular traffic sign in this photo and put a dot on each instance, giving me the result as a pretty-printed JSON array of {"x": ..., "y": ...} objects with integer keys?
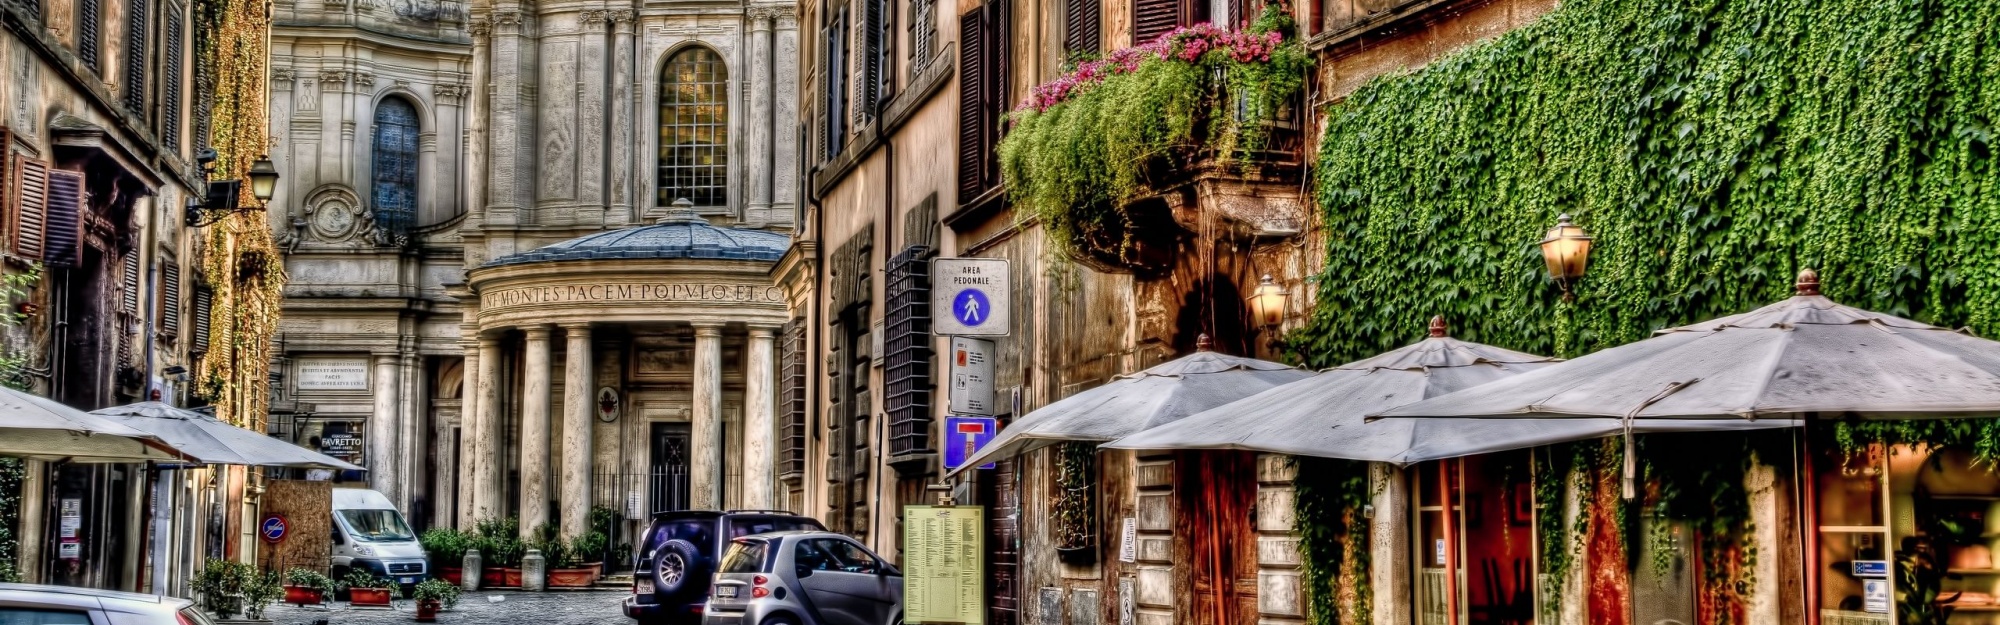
[
  {"x": 971, "y": 307},
  {"x": 273, "y": 528}
]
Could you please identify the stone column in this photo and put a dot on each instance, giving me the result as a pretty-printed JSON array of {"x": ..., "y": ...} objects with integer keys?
[
  {"x": 705, "y": 439},
  {"x": 509, "y": 171},
  {"x": 478, "y": 177},
  {"x": 468, "y": 434},
  {"x": 590, "y": 121},
  {"x": 446, "y": 464},
  {"x": 384, "y": 428},
  {"x": 623, "y": 174},
  {"x": 410, "y": 448},
  {"x": 785, "y": 152},
  {"x": 578, "y": 406},
  {"x": 758, "y": 129},
  {"x": 486, "y": 478},
  {"x": 535, "y": 431},
  {"x": 759, "y": 417}
]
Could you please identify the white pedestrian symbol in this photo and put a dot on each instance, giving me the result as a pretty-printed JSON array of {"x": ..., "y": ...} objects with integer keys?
[{"x": 971, "y": 310}]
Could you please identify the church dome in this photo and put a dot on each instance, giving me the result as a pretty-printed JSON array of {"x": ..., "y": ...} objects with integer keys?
[{"x": 680, "y": 234}]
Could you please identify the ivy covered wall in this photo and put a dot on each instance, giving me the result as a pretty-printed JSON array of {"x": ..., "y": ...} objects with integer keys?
[{"x": 1712, "y": 147}]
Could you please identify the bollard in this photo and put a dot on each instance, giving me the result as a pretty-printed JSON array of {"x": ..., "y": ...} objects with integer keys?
[
  {"x": 534, "y": 571},
  {"x": 470, "y": 573}
]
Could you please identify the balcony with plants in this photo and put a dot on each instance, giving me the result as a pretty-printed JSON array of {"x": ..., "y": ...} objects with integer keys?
[{"x": 1121, "y": 155}]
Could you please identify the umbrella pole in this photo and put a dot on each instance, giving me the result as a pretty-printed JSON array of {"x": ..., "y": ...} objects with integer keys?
[{"x": 1445, "y": 471}]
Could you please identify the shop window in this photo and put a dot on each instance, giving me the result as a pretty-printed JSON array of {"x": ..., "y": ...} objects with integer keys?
[
  {"x": 1475, "y": 522},
  {"x": 1904, "y": 535},
  {"x": 694, "y": 129},
  {"x": 395, "y": 164}
]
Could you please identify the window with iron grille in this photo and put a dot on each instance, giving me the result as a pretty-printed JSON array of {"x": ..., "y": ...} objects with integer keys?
[
  {"x": 908, "y": 375},
  {"x": 694, "y": 129},
  {"x": 792, "y": 401},
  {"x": 395, "y": 164}
]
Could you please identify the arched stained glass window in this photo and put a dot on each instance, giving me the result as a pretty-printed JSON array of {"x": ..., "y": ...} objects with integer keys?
[
  {"x": 694, "y": 129},
  {"x": 395, "y": 168}
]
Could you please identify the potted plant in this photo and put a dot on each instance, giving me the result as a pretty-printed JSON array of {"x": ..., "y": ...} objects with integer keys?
[
  {"x": 366, "y": 590},
  {"x": 565, "y": 567},
  {"x": 500, "y": 546},
  {"x": 434, "y": 595},
  {"x": 446, "y": 547},
  {"x": 305, "y": 587},
  {"x": 221, "y": 584},
  {"x": 588, "y": 549},
  {"x": 260, "y": 588}
]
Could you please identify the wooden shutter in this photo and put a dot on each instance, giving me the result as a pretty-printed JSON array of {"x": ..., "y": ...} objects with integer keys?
[
  {"x": 971, "y": 103},
  {"x": 1152, "y": 18},
  {"x": 822, "y": 122},
  {"x": 792, "y": 401},
  {"x": 169, "y": 314},
  {"x": 1082, "y": 21},
  {"x": 134, "y": 89},
  {"x": 923, "y": 35},
  {"x": 128, "y": 284},
  {"x": 869, "y": 93},
  {"x": 170, "y": 83},
  {"x": 64, "y": 219},
  {"x": 31, "y": 207},
  {"x": 204, "y": 301},
  {"x": 88, "y": 32}
]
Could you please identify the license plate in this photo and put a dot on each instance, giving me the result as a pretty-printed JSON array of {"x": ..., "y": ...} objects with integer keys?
[
  {"x": 725, "y": 592},
  {"x": 645, "y": 586},
  {"x": 408, "y": 580}
]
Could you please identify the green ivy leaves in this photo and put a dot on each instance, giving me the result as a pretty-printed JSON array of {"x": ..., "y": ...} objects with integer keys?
[{"x": 1713, "y": 147}]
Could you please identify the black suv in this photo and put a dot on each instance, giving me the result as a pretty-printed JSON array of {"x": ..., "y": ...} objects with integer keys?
[{"x": 670, "y": 579}]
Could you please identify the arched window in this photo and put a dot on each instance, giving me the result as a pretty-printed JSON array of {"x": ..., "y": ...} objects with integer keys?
[
  {"x": 395, "y": 175},
  {"x": 694, "y": 129}
]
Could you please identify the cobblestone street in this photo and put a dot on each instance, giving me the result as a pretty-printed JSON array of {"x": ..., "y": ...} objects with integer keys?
[{"x": 595, "y": 607}]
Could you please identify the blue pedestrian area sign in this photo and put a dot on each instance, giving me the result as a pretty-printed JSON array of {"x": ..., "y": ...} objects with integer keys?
[
  {"x": 963, "y": 436},
  {"x": 970, "y": 297}
]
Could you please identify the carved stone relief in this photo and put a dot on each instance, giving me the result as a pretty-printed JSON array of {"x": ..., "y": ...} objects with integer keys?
[{"x": 332, "y": 215}]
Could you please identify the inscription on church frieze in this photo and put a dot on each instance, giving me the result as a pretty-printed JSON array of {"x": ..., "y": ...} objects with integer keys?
[{"x": 641, "y": 292}]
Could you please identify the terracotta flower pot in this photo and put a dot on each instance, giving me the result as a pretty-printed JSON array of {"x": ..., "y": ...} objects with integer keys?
[
  {"x": 492, "y": 577},
  {"x": 570, "y": 578},
  {"x": 452, "y": 574},
  {"x": 596, "y": 570},
  {"x": 510, "y": 578},
  {"x": 378, "y": 597},
  {"x": 304, "y": 596},
  {"x": 427, "y": 611}
]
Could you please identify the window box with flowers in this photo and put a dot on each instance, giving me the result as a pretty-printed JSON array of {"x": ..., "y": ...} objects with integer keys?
[{"x": 1084, "y": 147}]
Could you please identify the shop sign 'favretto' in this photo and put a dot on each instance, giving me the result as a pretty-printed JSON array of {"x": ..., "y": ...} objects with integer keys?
[{"x": 635, "y": 292}]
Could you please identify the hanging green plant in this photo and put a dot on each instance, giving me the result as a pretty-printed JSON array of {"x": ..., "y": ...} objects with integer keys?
[
  {"x": 1111, "y": 129},
  {"x": 1331, "y": 500}
]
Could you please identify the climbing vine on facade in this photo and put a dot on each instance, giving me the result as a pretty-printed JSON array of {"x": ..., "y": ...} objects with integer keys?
[
  {"x": 1110, "y": 129},
  {"x": 240, "y": 262},
  {"x": 1330, "y": 501}
]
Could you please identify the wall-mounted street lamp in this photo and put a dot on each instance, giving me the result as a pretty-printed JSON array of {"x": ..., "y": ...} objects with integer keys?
[
  {"x": 1566, "y": 249},
  {"x": 1267, "y": 303},
  {"x": 222, "y": 197}
]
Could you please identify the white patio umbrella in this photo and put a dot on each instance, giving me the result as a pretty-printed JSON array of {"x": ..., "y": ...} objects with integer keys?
[
  {"x": 1803, "y": 357},
  {"x": 1326, "y": 415},
  {"x": 1157, "y": 396},
  {"x": 44, "y": 429},
  {"x": 208, "y": 440}
]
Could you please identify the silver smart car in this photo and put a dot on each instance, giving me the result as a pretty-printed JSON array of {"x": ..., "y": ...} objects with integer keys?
[{"x": 803, "y": 578}]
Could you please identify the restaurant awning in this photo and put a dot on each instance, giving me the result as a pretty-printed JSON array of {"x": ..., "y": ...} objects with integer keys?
[
  {"x": 1157, "y": 396},
  {"x": 208, "y": 440},
  {"x": 44, "y": 429}
]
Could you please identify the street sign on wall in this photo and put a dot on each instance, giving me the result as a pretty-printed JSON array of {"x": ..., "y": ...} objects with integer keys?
[
  {"x": 944, "y": 572},
  {"x": 963, "y": 436},
  {"x": 970, "y": 297},
  {"x": 971, "y": 376}
]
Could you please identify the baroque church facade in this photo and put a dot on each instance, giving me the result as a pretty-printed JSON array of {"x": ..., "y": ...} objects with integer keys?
[{"x": 530, "y": 249}]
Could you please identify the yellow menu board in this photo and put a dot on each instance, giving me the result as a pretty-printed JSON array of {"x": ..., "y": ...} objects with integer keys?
[{"x": 944, "y": 565}]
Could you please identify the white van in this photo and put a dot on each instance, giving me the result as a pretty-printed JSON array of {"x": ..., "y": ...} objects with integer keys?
[{"x": 368, "y": 533}]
